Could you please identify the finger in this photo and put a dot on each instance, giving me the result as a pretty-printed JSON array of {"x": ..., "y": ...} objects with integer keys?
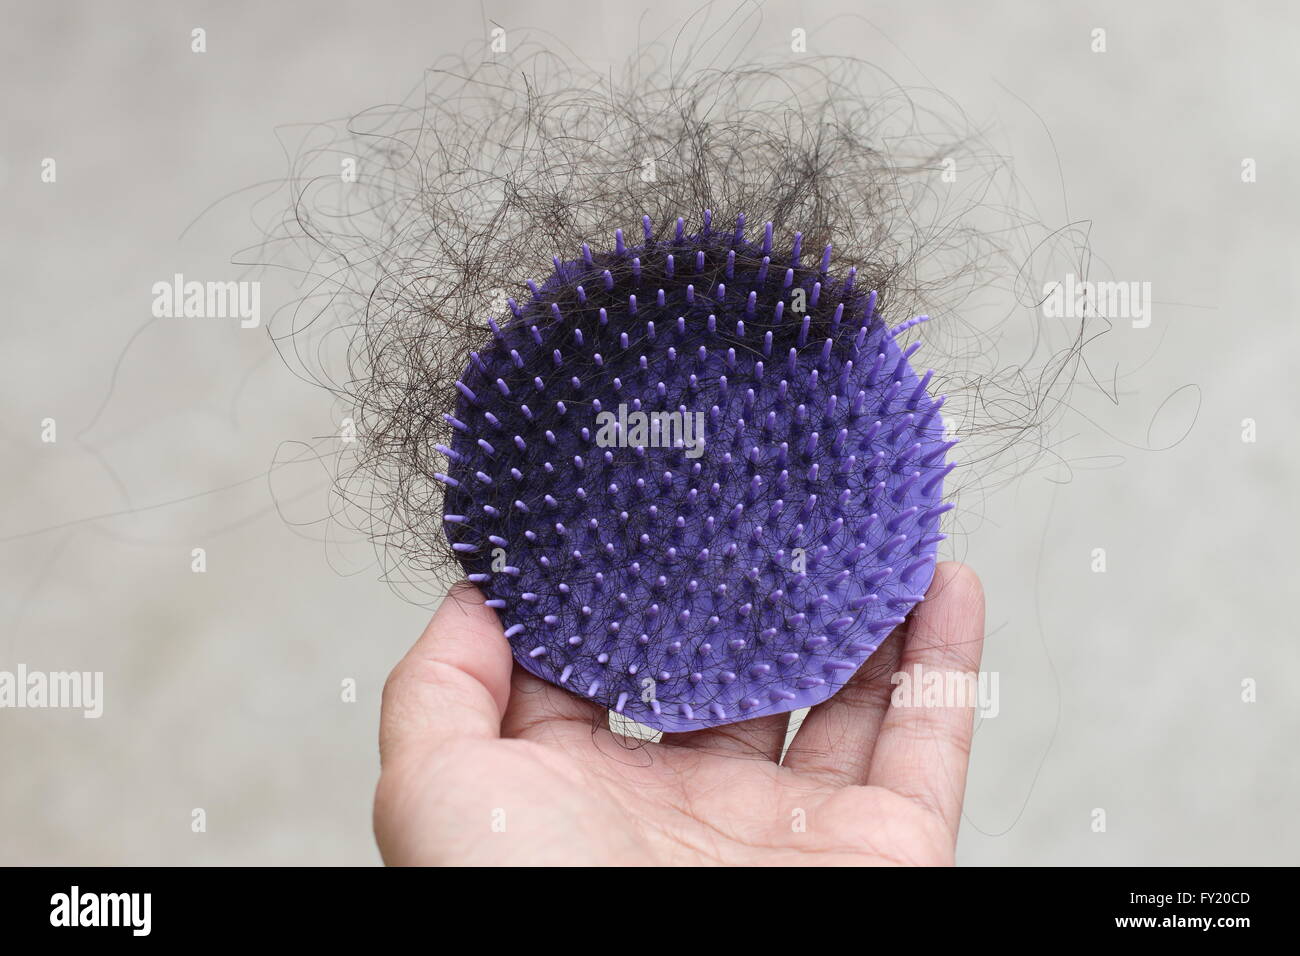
[
  {"x": 837, "y": 737},
  {"x": 762, "y": 737},
  {"x": 453, "y": 684},
  {"x": 922, "y": 751},
  {"x": 537, "y": 707}
]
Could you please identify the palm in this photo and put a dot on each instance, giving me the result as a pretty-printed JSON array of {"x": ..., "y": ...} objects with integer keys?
[{"x": 861, "y": 783}]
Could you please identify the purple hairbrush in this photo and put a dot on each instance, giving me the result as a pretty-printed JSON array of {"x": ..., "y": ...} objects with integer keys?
[{"x": 698, "y": 481}]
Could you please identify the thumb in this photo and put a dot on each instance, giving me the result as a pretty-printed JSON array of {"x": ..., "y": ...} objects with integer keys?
[{"x": 453, "y": 684}]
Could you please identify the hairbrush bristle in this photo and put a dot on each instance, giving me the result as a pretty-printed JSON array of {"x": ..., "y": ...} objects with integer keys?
[{"x": 747, "y": 555}]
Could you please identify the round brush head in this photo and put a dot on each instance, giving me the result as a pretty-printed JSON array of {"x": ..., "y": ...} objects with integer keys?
[{"x": 697, "y": 478}]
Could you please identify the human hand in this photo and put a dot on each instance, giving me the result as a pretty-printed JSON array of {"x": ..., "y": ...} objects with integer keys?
[{"x": 484, "y": 764}]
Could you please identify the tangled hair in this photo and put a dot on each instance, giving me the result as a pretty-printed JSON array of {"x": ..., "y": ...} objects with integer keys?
[{"x": 499, "y": 172}]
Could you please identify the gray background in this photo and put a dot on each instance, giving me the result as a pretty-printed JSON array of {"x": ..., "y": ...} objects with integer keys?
[{"x": 1118, "y": 691}]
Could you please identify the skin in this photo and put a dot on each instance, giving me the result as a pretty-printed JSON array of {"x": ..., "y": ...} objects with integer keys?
[{"x": 469, "y": 742}]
